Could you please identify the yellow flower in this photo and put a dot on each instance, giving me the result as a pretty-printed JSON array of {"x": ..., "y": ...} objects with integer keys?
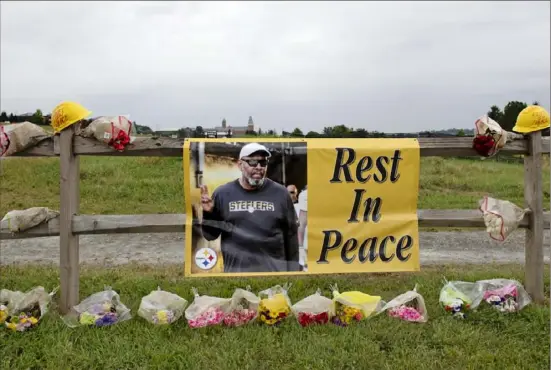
[
  {"x": 11, "y": 326},
  {"x": 87, "y": 318},
  {"x": 33, "y": 320},
  {"x": 162, "y": 317}
]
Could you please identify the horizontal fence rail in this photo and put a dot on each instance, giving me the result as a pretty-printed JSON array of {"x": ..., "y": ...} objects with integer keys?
[
  {"x": 174, "y": 223},
  {"x": 168, "y": 147}
]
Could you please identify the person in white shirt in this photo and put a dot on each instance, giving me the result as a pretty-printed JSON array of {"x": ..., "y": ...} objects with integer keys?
[{"x": 303, "y": 229}]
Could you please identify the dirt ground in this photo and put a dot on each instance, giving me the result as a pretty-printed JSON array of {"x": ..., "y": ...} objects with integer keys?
[{"x": 109, "y": 250}]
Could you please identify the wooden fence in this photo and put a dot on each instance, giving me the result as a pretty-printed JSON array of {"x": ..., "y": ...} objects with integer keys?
[{"x": 70, "y": 224}]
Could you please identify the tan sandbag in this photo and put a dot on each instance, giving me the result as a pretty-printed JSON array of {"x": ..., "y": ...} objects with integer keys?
[
  {"x": 17, "y": 137},
  {"x": 114, "y": 131},
  {"x": 21, "y": 220}
]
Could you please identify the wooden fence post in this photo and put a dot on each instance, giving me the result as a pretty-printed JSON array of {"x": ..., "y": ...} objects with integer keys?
[
  {"x": 69, "y": 206},
  {"x": 533, "y": 199}
]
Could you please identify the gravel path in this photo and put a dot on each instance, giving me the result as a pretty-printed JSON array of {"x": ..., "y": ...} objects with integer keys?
[{"x": 109, "y": 250}]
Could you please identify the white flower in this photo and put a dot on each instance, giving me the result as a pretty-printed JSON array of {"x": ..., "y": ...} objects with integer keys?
[{"x": 493, "y": 299}]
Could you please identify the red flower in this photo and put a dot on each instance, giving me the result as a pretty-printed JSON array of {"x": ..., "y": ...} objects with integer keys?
[
  {"x": 120, "y": 141},
  {"x": 484, "y": 144},
  {"x": 305, "y": 319}
]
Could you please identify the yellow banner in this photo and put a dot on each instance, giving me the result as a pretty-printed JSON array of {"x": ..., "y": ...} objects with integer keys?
[
  {"x": 248, "y": 210},
  {"x": 362, "y": 205}
]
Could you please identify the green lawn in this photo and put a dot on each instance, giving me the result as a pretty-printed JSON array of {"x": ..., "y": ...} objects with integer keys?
[
  {"x": 118, "y": 185},
  {"x": 485, "y": 340}
]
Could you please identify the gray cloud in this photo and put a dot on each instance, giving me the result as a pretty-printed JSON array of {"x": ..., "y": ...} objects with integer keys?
[{"x": 387, "y": 66}]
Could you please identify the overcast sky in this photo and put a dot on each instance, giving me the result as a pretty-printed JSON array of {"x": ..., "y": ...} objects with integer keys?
[{"x": 386, "y": 66}]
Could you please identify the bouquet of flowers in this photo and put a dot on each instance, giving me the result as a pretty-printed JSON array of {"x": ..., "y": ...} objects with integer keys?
[
  {"x": 505, "y": 295},
  {"x": 206, "y": 310},
  {"x": 409, "y": 306},
  {"x": 115, "y": 131},
  {"x": 100, "y": 309},
  {"x": 352, "y": 306},
  {"x": 276, "y": 305},
  {"x": 243, "y": 308},
  {"x": 489, "y": 137},
  {"x": 314, "y": 309},
  {"x": 458, "y": 297},
  {"x": 160, "y": 307},
  {"x": 22, "y": 311}
]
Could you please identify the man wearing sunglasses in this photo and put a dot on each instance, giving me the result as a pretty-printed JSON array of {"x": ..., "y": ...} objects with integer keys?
[{"x": 254, "y": 216}]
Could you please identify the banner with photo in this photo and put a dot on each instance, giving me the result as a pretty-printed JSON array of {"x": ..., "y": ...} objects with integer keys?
[{"x": 300, "y": 206}]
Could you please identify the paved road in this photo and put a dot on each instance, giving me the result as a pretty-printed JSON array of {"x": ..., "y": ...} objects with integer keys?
[{"x": 436, "y": 248}]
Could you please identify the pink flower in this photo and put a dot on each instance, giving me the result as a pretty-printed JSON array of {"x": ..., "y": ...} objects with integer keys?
[{"x": 405, "y": 313}]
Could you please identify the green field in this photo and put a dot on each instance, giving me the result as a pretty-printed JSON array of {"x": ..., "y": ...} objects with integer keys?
[
  {"x": 118, "y": 185},
  {"x": 485, "y": 340},
  {"x": 111, "y": 185}
]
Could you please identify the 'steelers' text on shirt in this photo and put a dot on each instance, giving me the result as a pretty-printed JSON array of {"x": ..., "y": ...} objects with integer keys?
[{"x": 251, "y": 206}]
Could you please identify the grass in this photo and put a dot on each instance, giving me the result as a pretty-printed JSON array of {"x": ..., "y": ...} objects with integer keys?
[
  {"x": 486, "y": 340},
  {"x": 118, "y": 185}
]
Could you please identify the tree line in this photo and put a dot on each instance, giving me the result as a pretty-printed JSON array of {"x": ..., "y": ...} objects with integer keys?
[
  {"x": 506, "y": 117},
  {"x": 37, "y": 118}
]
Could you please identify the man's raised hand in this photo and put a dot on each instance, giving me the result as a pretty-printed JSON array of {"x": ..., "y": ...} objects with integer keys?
[{"x": 206, "y": 200}]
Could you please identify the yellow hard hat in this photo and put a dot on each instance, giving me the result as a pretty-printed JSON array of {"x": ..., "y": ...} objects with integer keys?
[
  {"x": 532, "y": 118},
  {"x": 66, "y": 114}
]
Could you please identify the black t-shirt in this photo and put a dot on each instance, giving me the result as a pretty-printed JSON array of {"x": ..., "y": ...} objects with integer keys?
[{"x": 258, "y": 228}]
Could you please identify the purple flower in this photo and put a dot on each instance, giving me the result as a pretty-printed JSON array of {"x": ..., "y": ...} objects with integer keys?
[
  {"x": 338, "y": 322},
  {"x": 107, "y": 319}
]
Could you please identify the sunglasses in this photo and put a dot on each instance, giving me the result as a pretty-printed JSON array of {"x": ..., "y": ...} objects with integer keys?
[{"x": 256, "y": 162}]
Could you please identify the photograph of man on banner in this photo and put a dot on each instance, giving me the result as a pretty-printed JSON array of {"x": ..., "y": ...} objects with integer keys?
[{"x": 254, "y": 217}]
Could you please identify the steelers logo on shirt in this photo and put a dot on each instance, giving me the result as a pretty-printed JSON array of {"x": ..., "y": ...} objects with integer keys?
[{"x": 205, "y": 258}]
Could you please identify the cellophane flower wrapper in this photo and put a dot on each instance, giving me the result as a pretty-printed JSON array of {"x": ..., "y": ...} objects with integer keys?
[
  {"x": 100, "y": 309},
  {"x": 505, "y": 295},
  {"x": 489, "y": 137},
  {"x": 20, "y": 311},
  {"x": 161, "y": 307},
  {"x": 275, "y": 305},
  {"x": 314, "y": 309},
  {"x": 409, "y": 306},
  {"x": 206, "y": 310},
  {"x": 459, "y": 297},
  {"x": 501, "y": 217},
  {"x": 115, "y": 131},
  {"x": 243, "y": 308},
  {"x": 353, "y": 306},
  {"x": 17, "y": 137}
]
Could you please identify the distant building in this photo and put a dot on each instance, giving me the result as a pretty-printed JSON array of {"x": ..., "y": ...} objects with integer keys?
[{"x": 231, "y": 131}]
